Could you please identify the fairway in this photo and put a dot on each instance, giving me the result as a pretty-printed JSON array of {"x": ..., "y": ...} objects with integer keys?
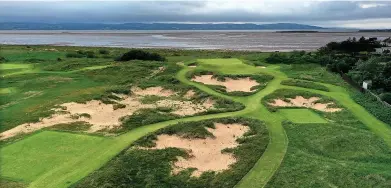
[
  {"x": 227, "y": 66},
  {"x": 43, "y": 152},
  {"x": 301, "y": 116}
]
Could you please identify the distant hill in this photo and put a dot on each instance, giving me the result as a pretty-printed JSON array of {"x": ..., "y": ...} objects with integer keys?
[{"x": 154, "y": 26}]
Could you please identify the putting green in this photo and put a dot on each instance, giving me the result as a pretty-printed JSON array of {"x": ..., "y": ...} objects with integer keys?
[
  {"x": 227, "y": 66},
  {"x": 301, "y": 116}
]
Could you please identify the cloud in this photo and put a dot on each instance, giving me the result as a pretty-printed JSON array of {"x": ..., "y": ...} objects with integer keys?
[{"x": 314, "y": 12}]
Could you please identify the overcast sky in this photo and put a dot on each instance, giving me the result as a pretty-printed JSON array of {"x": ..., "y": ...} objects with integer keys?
[{"x": 357, "y": 14}]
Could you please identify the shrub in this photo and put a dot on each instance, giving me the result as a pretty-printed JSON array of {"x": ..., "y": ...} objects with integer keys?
[
  {"x": 2, "y": 59},
  {"x": 74, "y": 55},
  {"x": 375, "y": 107},
  {"x": 90, "y": 54},
  {"x": 117, "y": 106},
  {"x": 81, "y": 54},
  {"x": 386, "y": 97},
  {"x": 104, "y": 51},
  {"x": 140, "y": 55}
]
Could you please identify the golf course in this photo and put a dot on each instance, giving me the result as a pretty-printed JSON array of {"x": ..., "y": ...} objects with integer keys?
[{"x": 82, "y": 117}]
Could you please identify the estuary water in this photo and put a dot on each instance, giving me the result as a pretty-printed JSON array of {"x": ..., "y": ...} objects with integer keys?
[{"x": 226, "y": 40}]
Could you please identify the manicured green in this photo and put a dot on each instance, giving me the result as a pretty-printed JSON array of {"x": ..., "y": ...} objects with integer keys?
[
  {"x": 301, "y": 116},
  {"x": 32, "y": 157}
]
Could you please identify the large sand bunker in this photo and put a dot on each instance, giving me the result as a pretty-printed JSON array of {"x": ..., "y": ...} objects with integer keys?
[
  {"x": 107, "y": 116},
  {"x": 206, "y": 154},
  {"x": 241, "y": 84},
  {"x": 300, "y": 101}
]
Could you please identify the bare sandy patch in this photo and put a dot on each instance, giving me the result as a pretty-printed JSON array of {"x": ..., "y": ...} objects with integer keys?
[
  {"x": 102, "y": 116},
  {"x": 300, "y": 101},
  {"x": 158, "y": 91},
  {"x": 206, "y": 154},
  {"x": 192, "y": 66},
  {"x": 185, "y": 108},
  {"x": 262, "y": 67},
  {"x": 106, "y": 116},
  {"x": 242, "y": 84},
  {"x": 189, "y": 94}
]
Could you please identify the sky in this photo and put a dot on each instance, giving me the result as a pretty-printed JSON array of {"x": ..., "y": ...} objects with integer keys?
[{"x": 347, "y": 14}]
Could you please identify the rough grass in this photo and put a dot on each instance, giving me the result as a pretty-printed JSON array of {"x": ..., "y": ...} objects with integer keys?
[
  {"x": 305, "y": 84},
  {"x": 311, "y": 72},
  {"x": 333, "y": 155},
  {"x": 301, "y": 116}
]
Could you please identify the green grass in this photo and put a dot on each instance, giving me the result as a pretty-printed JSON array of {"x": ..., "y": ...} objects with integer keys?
[
  {"x": 6, "y": 66},
  {"x": 227, "y": 66},
  {"x": 32, "y": 157},
  {"x": 301, "y": 116},
  {"x": 305, "y": 84},
  {"x": 7, "y": 90},
  {"x": 352, "y": 150}
]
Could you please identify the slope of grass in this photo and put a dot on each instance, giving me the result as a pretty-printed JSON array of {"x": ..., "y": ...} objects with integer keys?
[
  {"x": 305, "y": 84},
  {"x": 301, "y": 116},
  {"x": 333, "y": 155}
]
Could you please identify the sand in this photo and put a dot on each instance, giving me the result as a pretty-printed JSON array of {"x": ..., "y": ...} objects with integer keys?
[
  {"x": 158, "y": 91},
  {"x": 300, "y": 101},
  {"x": 206, "y": 153},
  {"x": 185, "y": 108},
  {"x": 189, "y": 94},
  {"x": 104, "y": 116},
  {"x": 242, "y": 84}
]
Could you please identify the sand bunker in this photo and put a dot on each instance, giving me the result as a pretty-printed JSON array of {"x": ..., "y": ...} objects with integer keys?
[
  {"x": 106, "y": 116},
  {"x": 242, "y": 84},
  {"x": 206, "y": 153},
  {"x": 300, "y": 101},
  {"x": 158, "y": 91}
]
